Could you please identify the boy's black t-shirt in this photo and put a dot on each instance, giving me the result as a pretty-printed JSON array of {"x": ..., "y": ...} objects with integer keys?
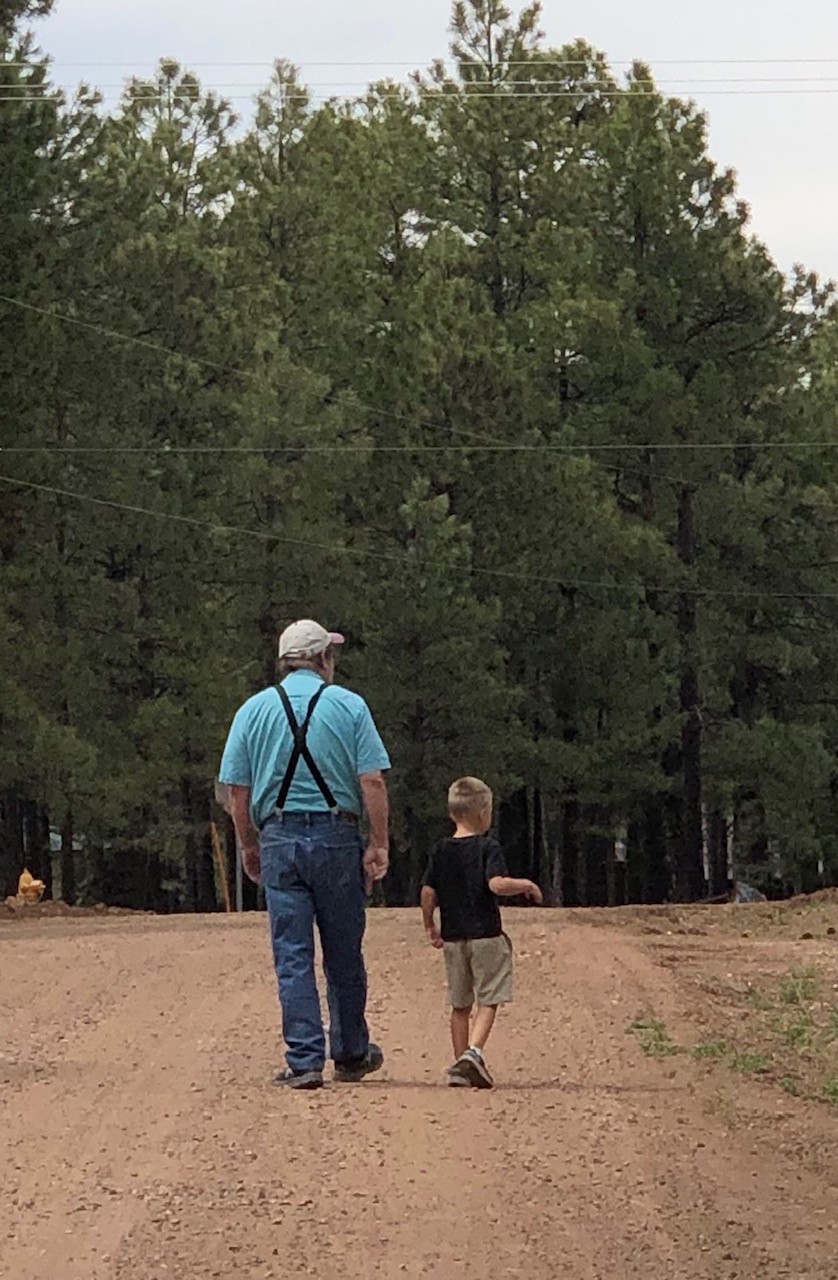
[{"x": 459, "y": 871}]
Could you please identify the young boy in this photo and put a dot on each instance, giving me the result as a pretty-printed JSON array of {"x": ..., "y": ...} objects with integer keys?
[{"x": 464, "y": 874}]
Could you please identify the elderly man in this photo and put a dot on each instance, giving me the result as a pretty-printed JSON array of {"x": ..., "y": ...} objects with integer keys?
[{"x": 303, "y": 761}]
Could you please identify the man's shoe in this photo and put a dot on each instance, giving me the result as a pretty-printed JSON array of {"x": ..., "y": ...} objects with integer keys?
[
  {"x": 472, "y": 1066},
  {"x": 299, "y": 1079},
  {"x": 356, "y": 1068}
]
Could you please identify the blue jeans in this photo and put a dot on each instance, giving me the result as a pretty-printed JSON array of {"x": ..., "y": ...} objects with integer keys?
[{"x": 312, "y": 870}]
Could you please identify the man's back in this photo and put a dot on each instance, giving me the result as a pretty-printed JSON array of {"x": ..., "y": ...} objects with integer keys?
[{"x": 342, "y": 739}]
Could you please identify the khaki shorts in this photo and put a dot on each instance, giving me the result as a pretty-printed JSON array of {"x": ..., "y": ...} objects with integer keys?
[{"x": 479, "y": 971}]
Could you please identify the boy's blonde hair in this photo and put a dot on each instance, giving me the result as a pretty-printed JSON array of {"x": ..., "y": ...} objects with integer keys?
[{"x": 468, "y": 798}]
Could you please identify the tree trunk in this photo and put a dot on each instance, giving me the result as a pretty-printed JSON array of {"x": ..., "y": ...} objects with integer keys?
[
  {"x": 557, "y": 895},
  {"x": 569, "y": 841},
  {"x": 268, "y": 619},
  {"x": 514, "y": 832},
  {"x": 595, "y": 848},
  {"x": 648, "y": 870},
  {"x": 11, "y": 843},
  {"x": 717, "y": 850},
  {"x": 268, "y": 632},
  {"x": 611, "y": 874},
  {"x": 68, "y": 860},
  {"x": 36, "y": 833},
  {"x": 541, "y": 850},
  {"x": 403, "y": 882},
  {"x": 688, "y": 854}
]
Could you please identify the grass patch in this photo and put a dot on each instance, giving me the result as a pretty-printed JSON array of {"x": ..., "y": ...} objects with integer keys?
[
  {"x": 653, "y": 1037},
  {"x": 797, "y": 1034},
  {"x": 800, "y": 987},
  {"x": 750, "y": 1063},
  {"x": 758, "y": 1000},
  {"x": 710, "y": 1052},
  {"x": 783, "y": 1027},
  {"x": 830, "y": 1089}
]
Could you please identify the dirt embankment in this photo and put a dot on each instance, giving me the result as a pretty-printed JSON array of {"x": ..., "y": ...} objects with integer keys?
[{"x": 54, "y": 909}]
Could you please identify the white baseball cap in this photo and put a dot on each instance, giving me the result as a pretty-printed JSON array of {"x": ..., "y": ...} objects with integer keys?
[{"x": 306, "y": 639}]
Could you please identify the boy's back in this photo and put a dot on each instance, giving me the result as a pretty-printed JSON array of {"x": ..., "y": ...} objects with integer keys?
[
  {"x": 464, "y": 874},
  {"x": 459, "y": 872}
]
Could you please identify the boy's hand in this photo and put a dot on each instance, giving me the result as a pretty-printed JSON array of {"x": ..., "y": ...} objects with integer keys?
[
  {"x": 435, "y": 937},
  {"x": 534, "y": 894}
]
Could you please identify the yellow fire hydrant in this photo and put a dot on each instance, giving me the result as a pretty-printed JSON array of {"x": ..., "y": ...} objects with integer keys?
[{"x": 28, "y": 888}]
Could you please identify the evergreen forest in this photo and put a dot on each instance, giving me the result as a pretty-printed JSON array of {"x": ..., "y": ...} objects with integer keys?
[{"x": 485, "y": 369}]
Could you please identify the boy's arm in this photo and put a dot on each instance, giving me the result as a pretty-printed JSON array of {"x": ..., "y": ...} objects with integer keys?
[
  {"x": 429, "y": 906},
  {"x": 507, "y": 887}
]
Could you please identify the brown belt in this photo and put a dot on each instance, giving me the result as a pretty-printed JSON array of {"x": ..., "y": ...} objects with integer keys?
[{"x": 320, "y": 815}]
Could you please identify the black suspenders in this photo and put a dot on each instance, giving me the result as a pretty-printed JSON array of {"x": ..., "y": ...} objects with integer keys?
[{"x": 301, "y": 750}]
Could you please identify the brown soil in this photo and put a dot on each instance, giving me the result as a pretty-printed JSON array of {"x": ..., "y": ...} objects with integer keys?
[
  {"x": 14, "y": 909},
  {"x": 142, "y": 1139}
]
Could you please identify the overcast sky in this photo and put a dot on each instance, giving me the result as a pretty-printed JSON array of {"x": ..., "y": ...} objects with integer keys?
[{"x": 783, "y": 145}]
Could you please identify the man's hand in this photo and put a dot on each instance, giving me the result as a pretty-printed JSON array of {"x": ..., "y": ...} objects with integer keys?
[
  {"x": 435, "y": 937},
  {"x": 377, "y": 856},
  {"x": 252, "y": 861},
  {"x": 534, "y": 894},
  {"x": 247, "y": 834},
  {"x": 376, "y": 862}
]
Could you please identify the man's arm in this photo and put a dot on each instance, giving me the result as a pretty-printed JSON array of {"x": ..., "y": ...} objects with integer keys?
[
  {"x": 377, "y": 856},
  {"x": 245, "y": 830},
  {"x": 429, "y": 906},
  {"x": 507, "y": 887}
]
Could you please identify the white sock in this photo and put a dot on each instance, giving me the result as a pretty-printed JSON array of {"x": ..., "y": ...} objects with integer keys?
[{"x": 474, "y": 1049}]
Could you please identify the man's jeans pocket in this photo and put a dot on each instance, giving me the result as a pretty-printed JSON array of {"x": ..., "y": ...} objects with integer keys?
[{"x": 279, "y": 861}]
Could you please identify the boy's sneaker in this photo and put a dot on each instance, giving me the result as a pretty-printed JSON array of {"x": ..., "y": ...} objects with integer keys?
[
  {"x": 354, "y": 1070},
  {"x": 299, "y": 1079},
  {"x": 455, "y": 1078},
  {"x": 472, "y": 1066}
]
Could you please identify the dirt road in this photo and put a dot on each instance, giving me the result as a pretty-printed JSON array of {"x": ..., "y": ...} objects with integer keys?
[{"x": 142, "y": 1139}]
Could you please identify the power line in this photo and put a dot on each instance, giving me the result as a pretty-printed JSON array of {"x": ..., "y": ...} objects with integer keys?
[
  {"x": 536, "y": 62},
  {"x": 352, "y": 401},
  {"x": 499, "y": 446},
  {"x": 475, "y": 87},
  {"x": 126, "y": 337},
  {"x": 116, "y": 335},
  {"x": 458, "y": 97},
  {"x": 491, "y": 443},
  {"x": 363, "y": 553},
  {"x": 215, "y": 365}
]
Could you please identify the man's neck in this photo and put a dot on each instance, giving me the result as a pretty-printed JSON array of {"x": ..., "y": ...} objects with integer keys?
[
  {"x": 462, "y": 833},
  {"x": 305, "y": 671}
]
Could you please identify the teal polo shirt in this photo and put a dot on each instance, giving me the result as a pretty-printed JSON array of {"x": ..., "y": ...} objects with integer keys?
[{"x": 342, "y": 738}]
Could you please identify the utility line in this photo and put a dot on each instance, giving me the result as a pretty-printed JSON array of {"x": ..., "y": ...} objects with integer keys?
[
  {"x": 460, "y": 95},
  {"x": 489, "y": 444},
  {"x": 536, "y": 61},
  {"x": 376, "y": 410},
  {"x": 287, "y": 446},
  {"x": 530, "y": 82},
  {"x": 495, "y": 445},
  {"x": 364, "y": 553}
]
